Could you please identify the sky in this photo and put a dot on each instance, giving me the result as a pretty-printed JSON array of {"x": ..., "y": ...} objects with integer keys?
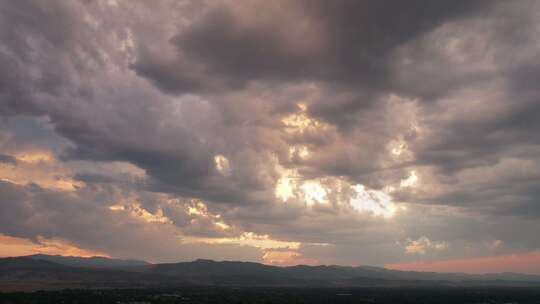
[{"x": 388, "y": 133}]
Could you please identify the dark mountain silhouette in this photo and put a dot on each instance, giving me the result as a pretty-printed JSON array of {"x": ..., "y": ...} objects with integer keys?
[
  {"x": 25, "y": 273},
  {"x": 92, "y": 262},
  {"x": 41, "y": 273}
]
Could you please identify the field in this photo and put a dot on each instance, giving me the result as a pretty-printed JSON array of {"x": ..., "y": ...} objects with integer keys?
[{"x": 279, "y": 295}]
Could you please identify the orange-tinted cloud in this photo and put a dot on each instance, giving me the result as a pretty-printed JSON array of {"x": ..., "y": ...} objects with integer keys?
[
  {"x": 41, "y": 168},
  {"x": 287, "y": 258},
  {"x": 12, "y": 246},
  {"x": 523, "y": 263}
]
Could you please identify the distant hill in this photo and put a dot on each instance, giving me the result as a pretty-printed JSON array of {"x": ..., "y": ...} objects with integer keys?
[
  {"x": 40, "y": 273},
  {"x": 209, "y": 268},
  {"x": 10, "y": 265},
  {"x": 92, "y": 262},
  {"x": 25, "y": 273}
]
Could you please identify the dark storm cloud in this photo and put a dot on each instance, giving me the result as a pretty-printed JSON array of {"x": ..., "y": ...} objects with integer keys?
[
  {"x": 361, "y": 45},
  {"x": 35, "y": 36},
  {"x": 352, "y": 42},
  {"x": 51, "y": 55}
]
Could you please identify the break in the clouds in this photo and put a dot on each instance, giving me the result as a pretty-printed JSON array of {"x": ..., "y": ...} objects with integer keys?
[{"x": 286, "y": 132}]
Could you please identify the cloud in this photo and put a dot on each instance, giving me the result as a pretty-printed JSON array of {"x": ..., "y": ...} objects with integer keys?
[
  {"x": 8, "y": 159},
  {"x": 527, "y": 262},
  {"x": 85, "y": 218},
  {"x": 12, "y": 246},
  {"x": 341, "y": 42},
  {"x": 359, "y": 125},
  {"x": 423, "y": 244}
]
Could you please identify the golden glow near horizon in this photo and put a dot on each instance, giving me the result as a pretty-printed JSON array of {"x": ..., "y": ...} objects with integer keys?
[
  {"x": 245, "y": 239},
  {"x": 14, "y": 246},
  {"x": 287, "y": 258},
  {"x": 280, "y": 257}
]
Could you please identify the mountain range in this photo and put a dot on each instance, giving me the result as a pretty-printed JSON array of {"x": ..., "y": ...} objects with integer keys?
[{"x": 56, "y": 272}]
